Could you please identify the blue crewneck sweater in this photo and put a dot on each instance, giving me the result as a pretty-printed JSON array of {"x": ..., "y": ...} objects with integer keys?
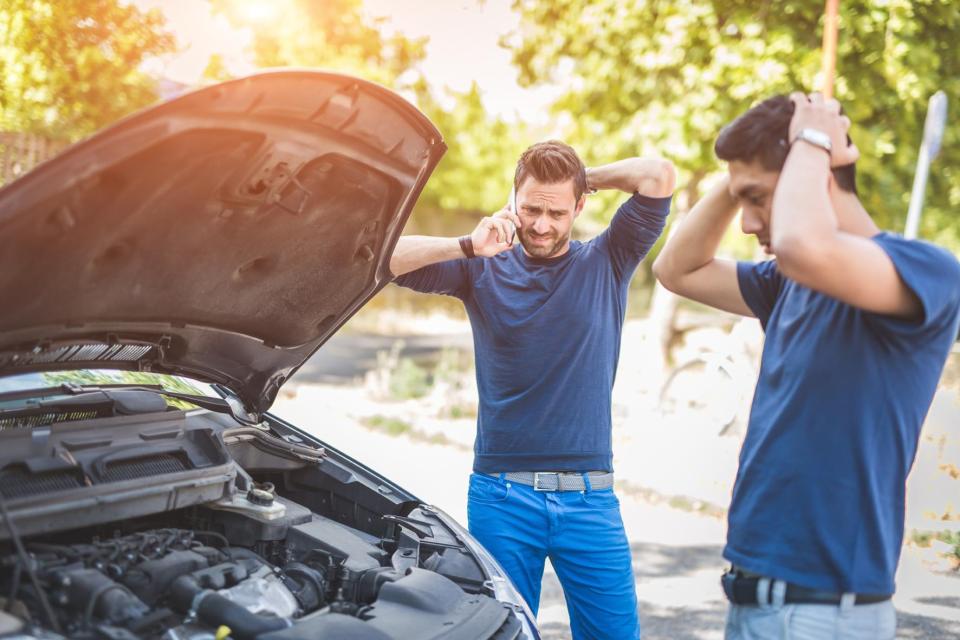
[{"x": 546, "y": 334}]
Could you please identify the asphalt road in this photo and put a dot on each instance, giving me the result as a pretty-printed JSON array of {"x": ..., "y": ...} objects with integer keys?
[{"x": 348, "y": 356}]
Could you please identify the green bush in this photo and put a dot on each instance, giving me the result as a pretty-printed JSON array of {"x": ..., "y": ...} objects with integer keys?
[
  {"x": 397, "y": 427},
  {"x": 390, "y": 426},
  {"x": 951, "y": 538},
  {"x": 409, "y": 380}
]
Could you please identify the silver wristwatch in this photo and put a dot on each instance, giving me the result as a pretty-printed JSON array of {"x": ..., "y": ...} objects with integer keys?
[{"x": 815, "y": 137}]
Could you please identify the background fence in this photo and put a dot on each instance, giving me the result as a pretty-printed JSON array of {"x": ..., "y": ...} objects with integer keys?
[{"x": 20, "y": 152}]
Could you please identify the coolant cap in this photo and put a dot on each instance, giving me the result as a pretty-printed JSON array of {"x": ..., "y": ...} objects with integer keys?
[{"x": 260, "y": 497}]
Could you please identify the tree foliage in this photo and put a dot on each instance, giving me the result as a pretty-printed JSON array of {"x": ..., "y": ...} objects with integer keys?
[
  {"x": 333, "y": 34},
  {"x": 70, "y": 67},
  {"x": 477, "y": 172},
  {"x": 665, "y": 76}
]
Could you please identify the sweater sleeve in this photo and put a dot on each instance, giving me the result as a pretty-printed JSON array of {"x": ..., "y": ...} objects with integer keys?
[
  {"x": 449, "y": 278},
  {"x": 633, "y": 231}
]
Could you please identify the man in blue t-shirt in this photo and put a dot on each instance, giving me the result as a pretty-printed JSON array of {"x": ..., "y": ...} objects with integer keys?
[
  {"x": 547, "y": 314},
  {"x": 858, "y": 326}
]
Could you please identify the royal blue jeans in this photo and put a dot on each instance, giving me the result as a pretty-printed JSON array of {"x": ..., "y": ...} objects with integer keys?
[{"x": 582, "y": 534}]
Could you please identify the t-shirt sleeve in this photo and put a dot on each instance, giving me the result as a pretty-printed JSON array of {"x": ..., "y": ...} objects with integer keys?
[
  {"x": 932, "y": 274},
  {"x": 633, "y": 231},
  {"x": 450, "y": 278},
  {"x": 760, "y": 286}
]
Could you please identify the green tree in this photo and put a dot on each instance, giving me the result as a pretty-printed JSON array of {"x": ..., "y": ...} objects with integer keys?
[
  {"x": 666, "y": 75},
  {"x": 477, "y": 172},
  {"x": 333, "y": 35},
  {"x": 70, "y": 67},
  {"x": 216, "y": 69}
]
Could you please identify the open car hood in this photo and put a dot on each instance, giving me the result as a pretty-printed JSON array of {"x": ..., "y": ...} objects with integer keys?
[{"x": 224, "y": 235}]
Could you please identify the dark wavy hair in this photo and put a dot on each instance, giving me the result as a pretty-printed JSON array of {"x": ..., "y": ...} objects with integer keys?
[
  {"x": 760, "y": 135},
  {"x": 551, "y": 162}
]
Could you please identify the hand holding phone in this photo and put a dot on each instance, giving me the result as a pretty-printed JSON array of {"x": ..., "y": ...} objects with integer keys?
[{"x": 496, "y": 233}]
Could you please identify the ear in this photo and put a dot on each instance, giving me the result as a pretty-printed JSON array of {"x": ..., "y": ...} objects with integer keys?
[{"x": 580, "y": 203}]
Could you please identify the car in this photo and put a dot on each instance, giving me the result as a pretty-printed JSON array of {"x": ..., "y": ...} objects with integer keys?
[{"x": 161, "y": 281}]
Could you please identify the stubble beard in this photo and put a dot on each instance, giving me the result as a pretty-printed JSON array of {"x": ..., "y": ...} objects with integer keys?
[{"x": 544, "y": 251}]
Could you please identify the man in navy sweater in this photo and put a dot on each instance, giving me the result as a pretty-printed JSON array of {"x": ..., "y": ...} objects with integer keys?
[
  {"x": 547, "y": 314},
  {"x": 858, "y": 326}
]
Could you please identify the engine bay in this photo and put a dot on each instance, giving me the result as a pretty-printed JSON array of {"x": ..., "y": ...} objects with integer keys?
[
  {"x": 298, "y": 543},
  {"x": 179, "y": 584}
]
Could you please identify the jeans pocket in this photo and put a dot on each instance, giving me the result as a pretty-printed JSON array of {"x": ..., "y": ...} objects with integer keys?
[
  {"x": 487, "y": 490},
  {"x": 868, "y": 622},
  {"x": 813, "y": 622},
  {"x": 601, "y": 499},
  {"x": 758, "y": 623}
]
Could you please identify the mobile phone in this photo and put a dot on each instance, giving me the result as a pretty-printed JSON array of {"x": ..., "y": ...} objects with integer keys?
[{"x": 512, "y": 203}]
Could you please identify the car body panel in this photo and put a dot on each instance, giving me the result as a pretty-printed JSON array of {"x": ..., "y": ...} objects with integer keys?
[{"x": 224, "y": 235}]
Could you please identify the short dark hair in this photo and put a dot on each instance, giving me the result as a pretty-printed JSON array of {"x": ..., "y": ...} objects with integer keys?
[
  {"x": 760, "y": 135},
  {"x": 551, "y": 162}
]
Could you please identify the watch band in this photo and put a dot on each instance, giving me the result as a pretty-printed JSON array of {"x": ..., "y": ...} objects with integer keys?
[
  {"x": 814, "y": 137},
  {"x": 466, "y": 245}
]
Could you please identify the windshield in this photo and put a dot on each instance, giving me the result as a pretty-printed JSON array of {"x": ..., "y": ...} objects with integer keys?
[{"x": 27, "y": 381}]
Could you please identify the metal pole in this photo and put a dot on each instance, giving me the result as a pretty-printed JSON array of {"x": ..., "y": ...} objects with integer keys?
[
  {"x": 929, "y": 148},
  {"x": 829, "y": 64}
]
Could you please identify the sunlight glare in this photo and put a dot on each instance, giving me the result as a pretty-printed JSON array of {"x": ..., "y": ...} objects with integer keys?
[{"x": 255, "y": 11}]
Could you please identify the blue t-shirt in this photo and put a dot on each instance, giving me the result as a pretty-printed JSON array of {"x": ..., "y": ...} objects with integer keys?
[
  {"x": 842, "y": 394},
  {"x": 546, "y": 333}
]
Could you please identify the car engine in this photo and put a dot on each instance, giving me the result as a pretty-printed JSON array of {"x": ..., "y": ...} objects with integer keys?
[
  {"x": 180, "y": 583},
  {"x": 198, "y": 530}
]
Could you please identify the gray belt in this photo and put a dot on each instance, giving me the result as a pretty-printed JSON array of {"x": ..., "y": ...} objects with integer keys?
[{"x": 560, "y": 481}]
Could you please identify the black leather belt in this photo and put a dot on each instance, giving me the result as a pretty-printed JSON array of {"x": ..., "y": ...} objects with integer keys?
[{"x": 741, "y": 589}]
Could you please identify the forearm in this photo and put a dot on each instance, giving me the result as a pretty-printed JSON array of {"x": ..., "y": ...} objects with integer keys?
[
  {"x": 802, "y": 214},
  {"x": 694, "y": 242},
  {"x": 414, "y": 252},
  {"x": 653, "y": 177}
]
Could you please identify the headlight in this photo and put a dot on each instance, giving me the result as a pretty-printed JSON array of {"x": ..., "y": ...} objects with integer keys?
[{"x": 499, "y": 581}]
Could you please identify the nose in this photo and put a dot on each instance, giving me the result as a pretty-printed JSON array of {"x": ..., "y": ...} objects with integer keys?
[
  {"x": 540, "y": 225},
  {"x": 750, "y": 222}
]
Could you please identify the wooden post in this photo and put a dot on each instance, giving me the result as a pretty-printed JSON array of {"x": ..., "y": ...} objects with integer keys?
[{"x": 829, "y": 65}]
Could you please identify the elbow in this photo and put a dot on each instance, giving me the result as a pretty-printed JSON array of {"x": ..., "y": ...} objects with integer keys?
[
  {"x": 659, "y": 268},
  {"x": 658, "y": 180},
  {"x": 799, "y": 259},
  {"x": 663, "y": 273},
  {"x": 398, "y": 267}
]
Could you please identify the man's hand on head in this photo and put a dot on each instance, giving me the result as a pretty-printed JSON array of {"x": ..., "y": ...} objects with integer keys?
[
  {"x": 495, "y": 234},
  {"x": 814, "y": 112}
]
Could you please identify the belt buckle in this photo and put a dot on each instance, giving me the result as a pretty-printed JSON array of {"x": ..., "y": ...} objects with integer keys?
[{"x": 536, "y": 480}]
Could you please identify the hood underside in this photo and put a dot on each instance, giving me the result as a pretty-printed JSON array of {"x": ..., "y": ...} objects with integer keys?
[{"x": 224, "y": 235}]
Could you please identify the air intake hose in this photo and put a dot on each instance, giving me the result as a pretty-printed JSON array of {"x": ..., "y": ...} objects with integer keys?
[{"x": 186, "y": 594}]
